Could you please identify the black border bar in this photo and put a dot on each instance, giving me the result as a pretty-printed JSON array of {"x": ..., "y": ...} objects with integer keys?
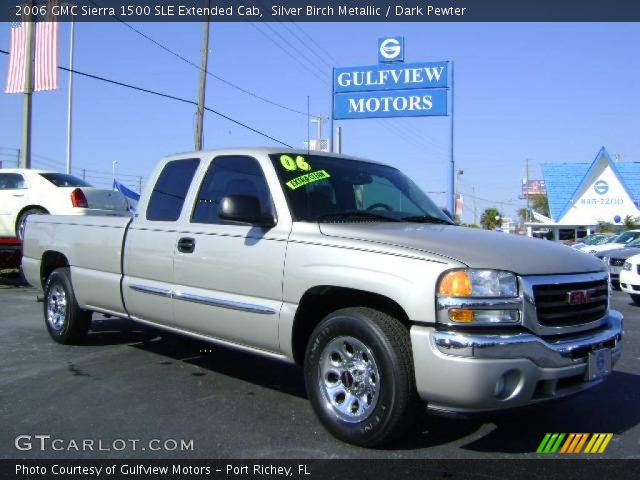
[{"x": 338, "y": 11}]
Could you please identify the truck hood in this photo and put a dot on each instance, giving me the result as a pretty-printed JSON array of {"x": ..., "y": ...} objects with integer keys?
[{"x": 473, "y": 247}]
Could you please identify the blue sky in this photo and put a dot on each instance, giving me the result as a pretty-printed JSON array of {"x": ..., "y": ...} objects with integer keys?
[{"x": 547, "y": 92}]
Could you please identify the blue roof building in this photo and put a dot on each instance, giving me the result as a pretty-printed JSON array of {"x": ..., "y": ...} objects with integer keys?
[{"x": 583, "y": 194}]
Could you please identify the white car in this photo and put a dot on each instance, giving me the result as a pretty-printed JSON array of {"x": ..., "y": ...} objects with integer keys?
[
  {"x": 630, "y": 278},
  {"x": 25, "y": 192},
  {"x": 619, "y": 242}
]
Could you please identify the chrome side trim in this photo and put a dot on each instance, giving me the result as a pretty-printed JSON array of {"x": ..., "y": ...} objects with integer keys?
[
  {"x": 530, "y": 316},
  {"x": 210, "y": 301},
  {"x": 546, "y": 354},
  {"x": 162, "y": 292},
  {"x": 217, "y": 302}
]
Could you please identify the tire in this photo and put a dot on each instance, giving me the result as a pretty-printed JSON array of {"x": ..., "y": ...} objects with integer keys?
[
  {"x": 66, "y": 322},
  {"x": 635, "y": 298},
  {"x": 359, "y": 376},
  {"x": 615, "y": 285},
  {"x": 21, "y": 223}
]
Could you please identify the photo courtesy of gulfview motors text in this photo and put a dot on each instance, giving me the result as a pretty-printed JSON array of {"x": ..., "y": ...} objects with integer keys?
[{"x": 319, "y": 239}]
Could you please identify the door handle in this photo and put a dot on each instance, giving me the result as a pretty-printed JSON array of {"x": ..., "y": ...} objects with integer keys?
[
  {"x": 18, "y": 195},
  {"x": 186, "y": 245}
]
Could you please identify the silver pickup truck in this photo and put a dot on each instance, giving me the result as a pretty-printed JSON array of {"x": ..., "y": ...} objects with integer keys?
[{"x": 346, "y": 268}]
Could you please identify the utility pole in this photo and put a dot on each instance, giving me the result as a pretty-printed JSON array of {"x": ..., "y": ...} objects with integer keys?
[
  {"x": 337, "y": 148},
  {"x": 70, "y": 96},
  {"x": 28, "y": 87},
  {"x": 203, "y": 81},
  {"x": 526, "y": 189}
]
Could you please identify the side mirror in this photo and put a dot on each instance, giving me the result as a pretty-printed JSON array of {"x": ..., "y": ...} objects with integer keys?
[{"x": 244, "y": 209}]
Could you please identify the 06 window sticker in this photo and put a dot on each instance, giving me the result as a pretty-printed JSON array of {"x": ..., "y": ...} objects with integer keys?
[{"x": 290, "y": 164}]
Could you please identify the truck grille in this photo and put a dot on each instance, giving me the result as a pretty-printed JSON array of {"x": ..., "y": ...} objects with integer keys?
[
  {"x": 617, "y": 262},
  {"x": 555, "y": 309}
]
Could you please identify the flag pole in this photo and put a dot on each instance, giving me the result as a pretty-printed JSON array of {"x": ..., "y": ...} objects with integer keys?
[
  {"x": 28, "y": 88},
  {"x": 70, "y": 96}
]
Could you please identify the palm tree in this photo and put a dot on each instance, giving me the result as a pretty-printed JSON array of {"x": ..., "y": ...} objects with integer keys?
[{"x": 491, "y": 218}]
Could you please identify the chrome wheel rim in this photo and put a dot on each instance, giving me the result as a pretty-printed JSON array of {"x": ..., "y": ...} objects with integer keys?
[
  {"x": 349, "y": 378},
  {"x": 21, "y": 227},
  {"x": 56, "y": 307}
]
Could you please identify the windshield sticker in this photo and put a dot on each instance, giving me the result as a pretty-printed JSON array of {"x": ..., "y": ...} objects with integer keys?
[
  {"x": 306, "y": 179},
  {"x": 289, "y": 164}
]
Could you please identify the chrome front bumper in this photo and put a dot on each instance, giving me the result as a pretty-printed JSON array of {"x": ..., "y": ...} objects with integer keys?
[{"x": 465, "y": 371}]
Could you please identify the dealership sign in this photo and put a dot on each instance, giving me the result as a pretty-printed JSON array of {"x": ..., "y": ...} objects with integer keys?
[{"x": 391, "y": 89}]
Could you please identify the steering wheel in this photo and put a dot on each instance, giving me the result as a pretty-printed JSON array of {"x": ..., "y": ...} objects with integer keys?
[{"x": 380, "y": 205}]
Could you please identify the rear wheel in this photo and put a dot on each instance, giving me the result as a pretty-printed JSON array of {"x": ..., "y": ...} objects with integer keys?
[
  {"x": 66, "y": 322},
  {"x": 359, "y": 376},
  {"x": 22, "y": 220},
  {"x": 635, "y": 298}
]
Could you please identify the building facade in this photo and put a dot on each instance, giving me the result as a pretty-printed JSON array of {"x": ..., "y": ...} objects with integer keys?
[{"x": 583, "y": 194}]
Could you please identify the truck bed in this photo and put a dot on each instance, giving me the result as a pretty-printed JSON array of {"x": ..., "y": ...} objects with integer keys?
[{"x": 92, "y": 246}]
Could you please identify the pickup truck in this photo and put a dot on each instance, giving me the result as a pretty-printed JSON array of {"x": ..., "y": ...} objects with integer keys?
[{"x": 344, "y": 267}]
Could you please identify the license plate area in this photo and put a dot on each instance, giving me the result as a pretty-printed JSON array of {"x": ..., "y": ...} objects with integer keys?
[{"x": 599, "y": 363}]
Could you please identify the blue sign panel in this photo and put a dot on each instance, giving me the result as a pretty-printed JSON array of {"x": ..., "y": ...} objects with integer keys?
[
  {"x": 401, "y": 76},
  {"x": 391, "y": 49},
  {"x": 397, "y": 103}
]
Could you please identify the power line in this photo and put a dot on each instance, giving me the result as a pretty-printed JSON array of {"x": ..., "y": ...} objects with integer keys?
[
  {"x": 208, "y": 72},
  {"x": 303, "y": 65},
  {"x": 166, "y": 95}
]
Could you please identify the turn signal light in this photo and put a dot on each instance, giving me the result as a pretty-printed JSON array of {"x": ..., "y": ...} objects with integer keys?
[
  {"x": 455, "y": 284},
  {"x": 461, "y": 316},
  {"x": 78, "y": 199}
]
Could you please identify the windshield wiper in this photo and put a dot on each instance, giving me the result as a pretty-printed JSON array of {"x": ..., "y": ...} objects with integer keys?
[
  {"x": 426, "y": 219},
  {"x": 355, "y": 214}
]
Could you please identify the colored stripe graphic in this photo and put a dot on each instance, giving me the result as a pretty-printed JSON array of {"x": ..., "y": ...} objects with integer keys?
[{"x": 574, "y": 443}]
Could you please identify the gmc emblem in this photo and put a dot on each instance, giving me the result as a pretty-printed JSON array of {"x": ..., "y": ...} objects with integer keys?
[{"x": 578, "y": 297}]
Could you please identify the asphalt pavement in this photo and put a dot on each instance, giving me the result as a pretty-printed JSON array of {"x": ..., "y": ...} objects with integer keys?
[{"x": 136, "y": 392}]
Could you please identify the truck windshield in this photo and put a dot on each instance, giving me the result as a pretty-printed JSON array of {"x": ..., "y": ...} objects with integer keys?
[{"x": 324, "y": 188}]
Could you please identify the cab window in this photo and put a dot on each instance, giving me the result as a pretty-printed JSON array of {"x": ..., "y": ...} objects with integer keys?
[
  {"x": 230, "y": 175},
  {"x": 171, "y": 190}
]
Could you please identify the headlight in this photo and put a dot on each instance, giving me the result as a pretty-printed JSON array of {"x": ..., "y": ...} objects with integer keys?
[
  {"x": 626, "y": 266},
  {"x": 478, "y": 297},
  {"x": 605, "y": 260},
  {"x": 478, "y": 283}
]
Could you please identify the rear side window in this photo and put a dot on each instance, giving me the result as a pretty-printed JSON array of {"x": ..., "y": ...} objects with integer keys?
[
  {"x": 64, "y": 180},
  {"x": 171, "y": 189},
  {"x": 233, "y": 175},
  {"x": 11, "y": 181}
]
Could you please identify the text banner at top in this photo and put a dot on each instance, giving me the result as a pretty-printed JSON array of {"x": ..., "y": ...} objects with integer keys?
[{"x": 328, "y": 10}]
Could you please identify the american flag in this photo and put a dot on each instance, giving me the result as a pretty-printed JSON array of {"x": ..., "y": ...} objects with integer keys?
[{"x": 46, "y": 56}]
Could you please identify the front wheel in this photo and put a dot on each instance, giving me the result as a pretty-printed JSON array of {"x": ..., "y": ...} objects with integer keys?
[
  {"x": 635, "y": 298},
  {"x": 359, "y": 376},
  {"x": 66, "y": 322}
]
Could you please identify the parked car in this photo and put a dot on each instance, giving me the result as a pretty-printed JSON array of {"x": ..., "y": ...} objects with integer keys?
[
  {"x": 618, "y": 242},
  {"x": 614, "y": 259},
  {"x": 630, "y": 278},
  {"x": 594, "y": 239},
  {"x": 25, "y": 192},
  {"x": 344, "y": 267}
]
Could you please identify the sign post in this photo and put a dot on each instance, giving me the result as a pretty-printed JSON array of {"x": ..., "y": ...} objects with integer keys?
[{"x": 392, "y": 89}]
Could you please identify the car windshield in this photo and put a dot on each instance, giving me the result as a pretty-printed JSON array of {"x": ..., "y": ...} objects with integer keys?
[
  {"x": 323, "y": 188},
  {"x": 64, "y": 180},
  {"x": 635, "y": 243},
  {"x": 627, "y": 237},
  {"x": 602, "y": 239}
]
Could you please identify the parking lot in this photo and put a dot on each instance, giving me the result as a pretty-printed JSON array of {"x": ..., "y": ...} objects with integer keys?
[{"x": 155, "y": 393}]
